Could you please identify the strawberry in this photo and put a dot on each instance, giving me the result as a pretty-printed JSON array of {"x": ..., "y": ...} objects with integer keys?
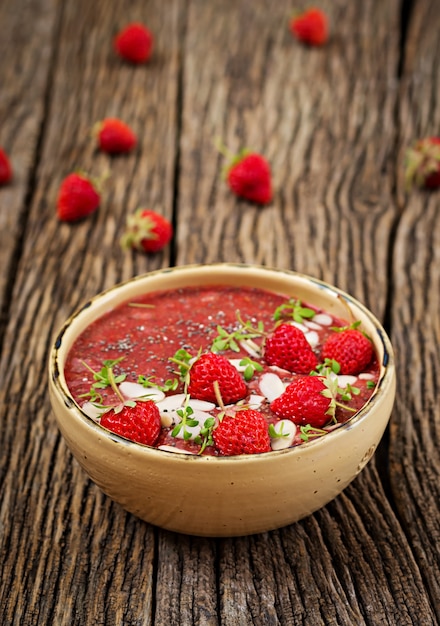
[
  {"x": 146, "y": 230},
  {"x": 245, "y": 433},
  {"x": 350, "y": 348},
  {"x": 288, "y": 348},
  {"x": 310, "y": 27},
  {"x": 134, "y": 43},
  {"x": 212, "y": 368},
  {"x": 305, "y": 401},
  {"x": 140, "y": 423},
  {"x": 422, "y": 164},
  {"x": 114, "y": 136},
  {"x": 249, "y": 177},
  {"x": 5, "y": 168},
  {"x": 78, "y": 197}
]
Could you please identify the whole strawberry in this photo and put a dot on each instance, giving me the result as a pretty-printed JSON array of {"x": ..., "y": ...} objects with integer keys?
[
  {"x": 249, "y": 177},
  {"x": 212, "y": 370},
  {"x": 140, "y": 423},
  {"x": 288, "y": 348},
  {"x": 5, "y": 168},
  {"x": 310, "y": 27},
  {"x": 422, "y": 164},
  {"x": 350, "y": 348},
  {"x": 305, "y": 401},
  {"x": 147, "y": 231},
  {"x": 245, "y": 433},
  {"x": 134, "y": 43},
  {"x": 78, "y": 196},
  {"x": 114, "y": 136}
]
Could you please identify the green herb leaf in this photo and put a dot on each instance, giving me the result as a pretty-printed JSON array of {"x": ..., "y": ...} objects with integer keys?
[
  {"x": 169, "y": 385},
  {"x": 250, "y": 367},
  {"x": 293, "y": 309},
  {"x": 277, "y": 434},
  {"x": 309, "y": 432}
]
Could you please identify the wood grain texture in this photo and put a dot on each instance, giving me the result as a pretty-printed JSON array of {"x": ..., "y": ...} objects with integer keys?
[
  {"x": 324, "y": 118},
  {"x": 68, "y": 554},
  {"x": 334, "y": 123},
  {"x": 415, "y": 428},
  {"x": 26, "y": 45}
]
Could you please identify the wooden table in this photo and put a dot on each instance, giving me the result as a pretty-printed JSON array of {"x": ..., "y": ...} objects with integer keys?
[{"x": 334, "y": 124}]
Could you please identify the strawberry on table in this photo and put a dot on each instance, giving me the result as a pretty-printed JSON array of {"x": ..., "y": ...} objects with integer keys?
[
  {"x": 248, "y": 175},
  {"x": 115, "y": 136},
  {"x": 147, "y": 231},
  {"x": 134, "y": 43},
  {"x": 5, "y": 168},
  {"x": 310, "y": 27},
  {"x": 140, "y": 423},
  {"x": 350, "y": 348},
  {"x": 422, "y": 164},
  {"x": 288, "y": 348},
  {"x": 245, "y": 433},
  {"x": 210, "y": 371},
  {"x": 78, "y": 196},
  {"x": 305, "y": 401}
]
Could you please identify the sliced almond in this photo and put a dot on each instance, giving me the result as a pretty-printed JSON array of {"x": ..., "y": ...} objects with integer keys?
[
  {"x": 288, "y": 431},
  {"x": 135, "y": 390},
  {"x": 271, "y": 386}
]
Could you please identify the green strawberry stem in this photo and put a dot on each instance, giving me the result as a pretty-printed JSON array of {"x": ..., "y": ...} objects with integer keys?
[{"x": 220, "y": 146}]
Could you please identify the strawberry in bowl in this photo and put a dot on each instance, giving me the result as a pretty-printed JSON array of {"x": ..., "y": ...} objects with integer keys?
[{"x": 217, "y": 375}]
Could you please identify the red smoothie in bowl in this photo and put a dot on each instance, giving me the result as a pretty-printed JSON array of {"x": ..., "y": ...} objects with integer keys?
[{"x": 221, "y": 370}]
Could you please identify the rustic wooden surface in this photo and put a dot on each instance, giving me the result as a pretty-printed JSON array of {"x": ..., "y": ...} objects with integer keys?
[{"x": 334, "y": 123}]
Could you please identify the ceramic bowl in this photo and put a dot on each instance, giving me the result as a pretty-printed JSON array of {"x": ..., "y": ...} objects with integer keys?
[{"x": 223, "y": 496}]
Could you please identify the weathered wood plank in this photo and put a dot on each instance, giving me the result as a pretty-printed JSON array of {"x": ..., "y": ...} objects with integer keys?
[
  {"x": 415, "y": 429},
  {"x": 325, "y": 120},
  {"x": 67, "y": 553},
  {"x": 26, "y": 45}
]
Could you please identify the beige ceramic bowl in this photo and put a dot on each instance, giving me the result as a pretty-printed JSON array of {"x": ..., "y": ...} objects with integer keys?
[{"x": 226, "y": 496}]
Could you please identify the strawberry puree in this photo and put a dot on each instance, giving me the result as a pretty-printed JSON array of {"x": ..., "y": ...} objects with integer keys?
[{"x": 145, "y": 333}]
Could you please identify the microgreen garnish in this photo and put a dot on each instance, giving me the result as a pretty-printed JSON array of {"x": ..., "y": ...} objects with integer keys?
[
  {"x": 245, "y": 332},
  {"x": 371, "y": 384},
  {"x": 293, "y": 309},
  {"x": 329, "y": 364},
  {"x": 277, "y": 434},
  {"x": 169, "y": 385},
  {"x": 250, "y": 367},
  {"x": 205, "y": 438},
  {"x": 104, "y": 378},
  {"x": 185, "y": 420},
  {"x": 309, "y": 432},
  {"x": 348, "y": 392},
  {"x": 182, "y": 358},
  {"x": 218, "y": 395},
  {"x": 328, "y": 373}
]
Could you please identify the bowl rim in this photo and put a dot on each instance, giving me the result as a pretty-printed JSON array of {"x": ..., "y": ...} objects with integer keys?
[{"x": 386, "y": 376}]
